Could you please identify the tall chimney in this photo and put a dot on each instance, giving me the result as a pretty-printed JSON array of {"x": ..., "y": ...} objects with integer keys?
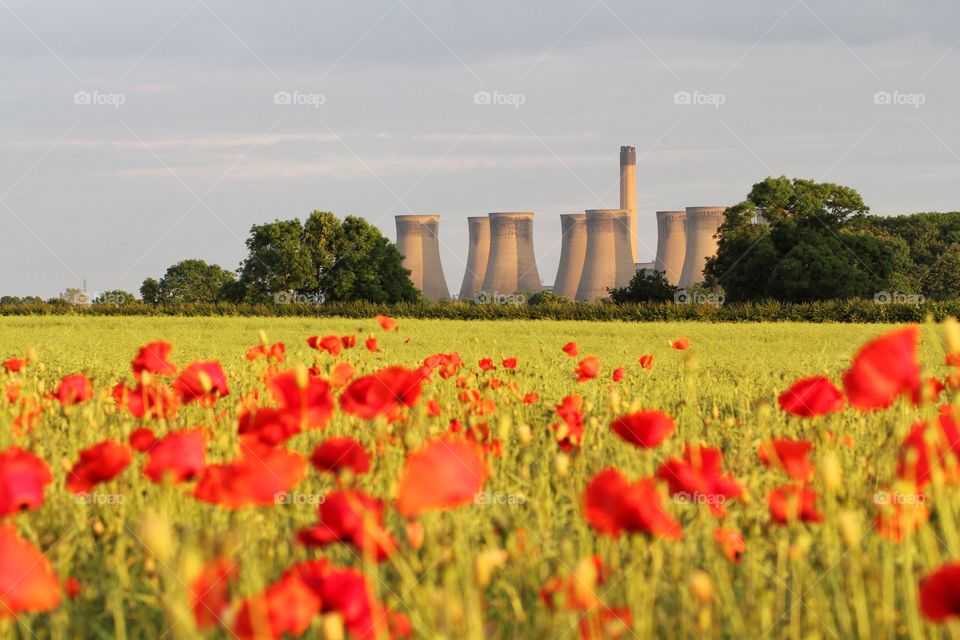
[
  {"x": 671, "y": 244},
  {"x": 702, "y": 223},
  {"x": 573, "y": 250},
  {"x": 419, "y": 243},
  {"x": 477, "y": 254},
  {"x": 608, "y": 263},
  {"x": 628, "y": 192},
  {"x": 512, "y": 265}
]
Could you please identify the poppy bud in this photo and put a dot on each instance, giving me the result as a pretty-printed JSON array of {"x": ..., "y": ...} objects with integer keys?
[
  {"x": 145, "y": 378},
  {"x": 850, "y": 528},
  {"x": 263, "y": 338},
  {"x": 156, "y": 535},
  {"x": 951, "y": 333},
  {"x": 504, "y": 427},
  {"x": 562, "y": 464},
  {"x": 485, "y": 564},
  {"x": 831, "y": 471},
  {"x": 523, "y": 434},
  {"x": 415, "y": 534},
  {"x": 32, "y": 355},
  {"x": 701, "y": 587},
  {"x": 97, "y": 528}
]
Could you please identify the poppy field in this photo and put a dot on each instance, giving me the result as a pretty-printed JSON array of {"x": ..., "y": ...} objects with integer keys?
[{"x": 397, "y": 478}]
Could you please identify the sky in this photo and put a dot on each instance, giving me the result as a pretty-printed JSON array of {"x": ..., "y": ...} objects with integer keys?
[{"x": 136, "y": 134}]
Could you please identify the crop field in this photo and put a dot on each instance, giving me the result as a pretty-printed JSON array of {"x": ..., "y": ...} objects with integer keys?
[{"x": 468, "y": 479}]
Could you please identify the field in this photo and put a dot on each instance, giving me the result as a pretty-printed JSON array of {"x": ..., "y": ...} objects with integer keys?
[{"x": 517, "y": 560}]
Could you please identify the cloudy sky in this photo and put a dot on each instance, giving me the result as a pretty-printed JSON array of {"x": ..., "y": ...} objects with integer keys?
[{"x": 135, "y": 134}]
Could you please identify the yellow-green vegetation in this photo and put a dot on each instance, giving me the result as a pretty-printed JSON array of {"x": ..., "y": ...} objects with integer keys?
[{"x": 136, "y": 548}]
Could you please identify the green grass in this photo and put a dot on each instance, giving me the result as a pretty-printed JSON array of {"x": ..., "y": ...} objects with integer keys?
[{"x": 802, "y": 581}]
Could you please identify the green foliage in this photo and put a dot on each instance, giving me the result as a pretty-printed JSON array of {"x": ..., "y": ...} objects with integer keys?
[
  {"x": 188, "y": 281},
  {"x": 645, "y": 286},
  {"x": 279, "y": 259},
  {"x": 115, "y": 297}
]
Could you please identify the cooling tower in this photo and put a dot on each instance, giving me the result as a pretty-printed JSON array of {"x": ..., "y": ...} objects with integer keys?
[
  {"x": 671, "y": 244},
  {"x": 512, "y": 265},
  {"x": 608, "y": 262},
  {"x": 701, "y": 225},
  {"x": 628, "y": 192},
  {"x": 419, "y": 243},
  {"x": 572, "y": 253},
  {"x": 477, "y": 254}
]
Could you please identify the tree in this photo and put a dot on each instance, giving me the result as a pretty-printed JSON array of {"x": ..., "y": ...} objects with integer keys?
[
  {"x": 645, "y": 286},
  {"x": 150, "y": 291},
  {"x": 941, "y": 281},
  {"x": 117, "y": 297},
  {"x": 187, "y": 281},
  {"x": 278, "y": 259}
]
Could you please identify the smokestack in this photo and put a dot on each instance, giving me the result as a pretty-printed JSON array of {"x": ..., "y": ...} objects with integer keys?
[
  {"x": 671, "y": 244},
  {"x": 477, "y": 254},
  {"x": 628, "y": 192},
  {"x": 572, "y": 253},
  {"x": 512, "y": 265},
  {"x": 608, "y": 263},
  {"x": 419, "y": 243},
  {"x": 702, "y": 224}
]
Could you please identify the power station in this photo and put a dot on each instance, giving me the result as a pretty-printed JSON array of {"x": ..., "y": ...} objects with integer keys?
[{"x": 598, "y": 248}]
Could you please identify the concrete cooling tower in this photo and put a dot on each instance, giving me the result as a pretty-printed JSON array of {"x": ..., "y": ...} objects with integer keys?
[
  {"x": 671, "y": 244},
  {"x": 628, "y": 192},
  {"x": 419, "y": 243},
  {"x": 702, "y": 224},
  {"x": 512, "y": 265},
  {"x": 573, "y": 250},
  {"x": 608, "y": 262},
  {"x": 477, "y": 254}
]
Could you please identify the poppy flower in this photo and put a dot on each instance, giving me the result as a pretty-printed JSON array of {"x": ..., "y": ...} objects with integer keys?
[
  {"x": 680, "y": 344},
  {"x": 444, "y": 473},
  {"x": 571, "y": 349},
  {"x": 699, "y": 478},
  {"x": 530, "y": 398},
  {"x": 341, "y": 375},
  {"x": 338, "y": 454},
  {"x": 288, "y": 606},
  {"x": 142, "y": 439},
  {"x": 576, "y": 591},
  {"x": 509, "y": 363},
  {"x": 929, "y": 390},
  {"x": 100, "y": 463},
  {"x": 71, "y": 587},
  {"x": 28, "y": 583},
  {"x": 177, "y": 457},
  {"x": 383, "y": 393},
  {"x": 899, "y": 514},
  {"x": 731, "y": 544},
  {"x": 22, "y": 478},
  {"x": 351, "y": 517},
  {"x": 588, "y": 369},
  {"x": 210, "y": 592},
  {"x": 273, "y": 353},
  {"x": 940, "y": 593},
  {"x": 74, "y": 389},
  {"x": 257, "y": 477},
  {"x": 811, "y": 397},
  {"x": 606, "y": 623},
  {"x": 486, "y": 364},
  {"x": 305, "y": 397},
  {"x": 569, "y": 434},
  {"x": 345, "y": 591},
  {"x": 371, "y": 344},
  {"x": 14, "y": 365},
  {"x": 884, "y": 369},
  {"x": 348, "y": 342},
  {"x": 790, "y": 503},
  {"x": 612, "y": 506},
  {"x": 646, "y": 362},
  {"x": 928, "y": 445},
  {"x": 202, "y": 381},
  {"x": 154, "y": 358},
  {"x": 617, "y": 375},
  {"x": 446, "y": 364},
  {"x": 386, "y": 323},
  {"x": 645, "y": 429},
  {"x": 154, "y": 401},
  {"x": 788, "y": 455},
  {"x": 331, "y": 344}
]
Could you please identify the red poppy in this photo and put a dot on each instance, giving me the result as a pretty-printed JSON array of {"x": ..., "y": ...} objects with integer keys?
[
  {"x": 606, "y": 623},
  {"x": 680, "y": 344},
  {"x": 14, "y": 365},
  {"x": 154, "y": 358},
  {"x": 71, "y": 587},
  {"x": 699, "y": 478},
  {"x": 341, "y": 375},
  {"x": 259, "y": 476},
  {"x": 371, "y": 344},
  {"x": 177, "y": 457},
  {"x": 386, "y": 323},
  {"x": 588, "y": 369},
  {"x": 646, "y": 362},
  {"x": 350, "y": 517},
  {"x": 444, "y": 473},
  {"x": 273, "y": 353},
  {"x": 731, "y": 544},
  {"x": 922, "y": 450},
  {"x": 884, "y": 369},
  {"x": 100, "y": 463},
  {"x": 304, "y": 397},
  {"x": 349, "y": 342},
  {"x": 928, "y": 390},
  {"x": 74, "y": 389},
  {"x": 154, "y": 401},
  {"x": 569, "y": 434},
  {"x": 331, "y": 344},
  {"x": 345, "y": 591},
  {"x": 27, "y": 581},
  {"x": 202, "y": 381},
  {"x": 288, "y": 606},
  {"x": 612, "y": 506},
  {"x": 142, "y": 439},
  {"x": 901, "y": 516},
  {"x": 811, "y": 397},
  {"x": 338, "y": 454},
  {"x": 447, "y": 364},
  {"x": 940, "y": 593},
  {"x": 788, "y": 455},
  {"x": 486, "y": 364},
  {"x": 530, "y": 398},
  {"x": 571, "y": 349},
  {"x": 645, "y": 429},
  {"x": 617, "y": 375},
  {"x": 383, "y": 393},
  {"x": 509, "y": 363},
  {"x": 210, "y": 592},
  {"x": 790, "y": 503},
  {"x": 22, "y": 478}
]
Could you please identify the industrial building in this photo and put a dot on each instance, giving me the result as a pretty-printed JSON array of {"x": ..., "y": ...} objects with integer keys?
[{"x": 598, "y": 248}]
